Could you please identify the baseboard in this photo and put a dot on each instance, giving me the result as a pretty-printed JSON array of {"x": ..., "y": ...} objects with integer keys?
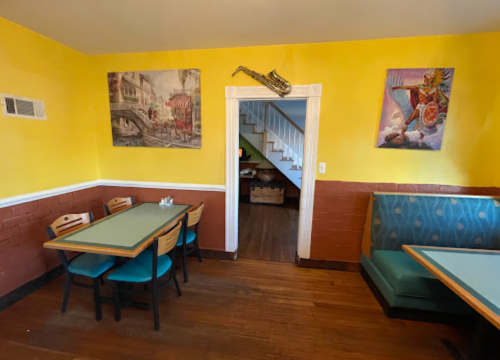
[
  {"x": 414, "y": 314},
  {"x": 328, "y": 264},
  {"x": 216, "y": 254},
  {"x": 26, "y": 289}
]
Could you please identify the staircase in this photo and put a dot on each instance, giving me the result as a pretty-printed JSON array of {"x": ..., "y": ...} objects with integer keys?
[
  {"x": 143, "y": 112},
  {"x": 275, "y": 135}
]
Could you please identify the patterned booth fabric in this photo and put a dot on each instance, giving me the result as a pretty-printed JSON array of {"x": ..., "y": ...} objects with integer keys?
[
  {"x": 433, "y": 220},
  {"x": 429, "y": 220}
]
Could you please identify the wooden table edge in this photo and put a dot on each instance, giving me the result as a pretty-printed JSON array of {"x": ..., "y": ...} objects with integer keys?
[
  {"x": 109, "y": 251},
  {"x": 457, "y": 289}
]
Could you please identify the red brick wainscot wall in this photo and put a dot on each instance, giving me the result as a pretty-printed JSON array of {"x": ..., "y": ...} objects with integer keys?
[
  {"x": 22, "y": 227},
  {"x": 340, "y": 212},
  {"x": 338, "y": 220},
  {"x": 22, "y": 234},
  {"x": 212, "y": 224}
]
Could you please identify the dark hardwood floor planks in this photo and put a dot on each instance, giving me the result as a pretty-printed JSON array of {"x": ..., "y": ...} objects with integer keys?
[
  {"x": 267, "y": 232},
  {"x": 23, "y": 351},
  {"x": 244, "y": 309}
]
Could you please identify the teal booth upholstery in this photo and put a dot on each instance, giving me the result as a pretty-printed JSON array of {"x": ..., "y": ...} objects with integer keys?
[{"x": 428, "y": 220}]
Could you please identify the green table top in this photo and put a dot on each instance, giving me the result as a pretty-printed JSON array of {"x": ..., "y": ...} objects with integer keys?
[
  {"x": 127, "y": 229},
  {"x": 474, "y": 271}
]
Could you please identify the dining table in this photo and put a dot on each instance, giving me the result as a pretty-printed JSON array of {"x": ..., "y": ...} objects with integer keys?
[
  {"x": 472, "y": 275},
  {"x": 124, "y": 234}
]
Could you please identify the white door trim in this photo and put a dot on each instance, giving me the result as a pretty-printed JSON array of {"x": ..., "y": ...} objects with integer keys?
[{"x": 234, "y": 94}]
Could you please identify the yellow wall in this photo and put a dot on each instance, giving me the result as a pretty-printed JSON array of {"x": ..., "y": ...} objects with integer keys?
[
  {"x": 39, "y": 155},
  {"x": 353, "y": 75}
]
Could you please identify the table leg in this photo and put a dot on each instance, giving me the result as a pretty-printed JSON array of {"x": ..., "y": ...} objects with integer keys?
[
  {"x": 452, "y": 349},
  {"x": 125, "y": 297},
  {"x": 479, "y": 345},
  {"x": 127, "y": 301},
  {"x": 482, "y": 330}
]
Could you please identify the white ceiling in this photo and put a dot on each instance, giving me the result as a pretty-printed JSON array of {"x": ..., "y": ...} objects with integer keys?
[{"x": 122, "y": 26}]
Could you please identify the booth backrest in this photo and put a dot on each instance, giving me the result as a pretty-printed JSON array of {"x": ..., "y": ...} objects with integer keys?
[{"x": 434, "y": 220}]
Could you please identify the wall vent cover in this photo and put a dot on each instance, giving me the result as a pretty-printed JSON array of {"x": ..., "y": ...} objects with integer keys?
[{"x": 21, "y": 107}]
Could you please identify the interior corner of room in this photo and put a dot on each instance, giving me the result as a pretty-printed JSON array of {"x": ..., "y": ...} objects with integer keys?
[{"x": 332, "y": 173}]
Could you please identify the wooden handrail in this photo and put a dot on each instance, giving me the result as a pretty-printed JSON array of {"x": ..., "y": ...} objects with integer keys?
[{"x": 285, "y": 116}]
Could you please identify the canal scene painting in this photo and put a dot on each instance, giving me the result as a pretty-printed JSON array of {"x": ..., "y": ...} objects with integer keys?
[{"x": 156, "y": 108}]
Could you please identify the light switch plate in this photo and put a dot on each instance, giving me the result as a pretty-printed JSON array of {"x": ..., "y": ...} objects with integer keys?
[{"x": 322, "y": 168}]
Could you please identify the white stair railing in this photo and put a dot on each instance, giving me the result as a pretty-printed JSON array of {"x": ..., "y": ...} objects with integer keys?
[
  {"x": 254, "y": 112},
  {"x": 281, "y": 130},
  {"x": 287, "y": 136}
]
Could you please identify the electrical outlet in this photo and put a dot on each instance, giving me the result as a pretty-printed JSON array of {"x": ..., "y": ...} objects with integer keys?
[{"x": 322, "y": 168}]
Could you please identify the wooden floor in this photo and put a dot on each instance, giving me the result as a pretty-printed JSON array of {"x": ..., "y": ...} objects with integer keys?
[
  {"x": 244, "y": 310},
  {"x": 267, "y": 232}
]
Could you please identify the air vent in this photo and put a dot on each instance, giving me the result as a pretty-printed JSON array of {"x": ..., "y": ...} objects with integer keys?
[
  {"x": 21, "y": 107},
  {"x": 11, "y": 108}
]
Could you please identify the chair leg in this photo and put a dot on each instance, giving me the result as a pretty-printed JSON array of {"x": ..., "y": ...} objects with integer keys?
[
  {"x": 176, "y": 283},
  {"x": 116, "y": 302},
  {"x": 97, "y": 299},
  {"x": 198, "y": 250},
  {"x": 155, "y": 305},
  {"x": 67, "y": 286},
  {"x": 101, "y": 279},
  {"x": 184, "y": 259}
]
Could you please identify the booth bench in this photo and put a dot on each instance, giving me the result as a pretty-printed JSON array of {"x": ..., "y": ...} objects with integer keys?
[{"x": 396, "y": 219}]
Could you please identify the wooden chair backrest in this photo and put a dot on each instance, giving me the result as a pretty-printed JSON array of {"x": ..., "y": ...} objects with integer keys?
[
  {"x": 119, "y": 204},
  {"x": 169, "y": 241},
  {"x": 194, "y": 216},
  {"x": 69, "y": 222}
]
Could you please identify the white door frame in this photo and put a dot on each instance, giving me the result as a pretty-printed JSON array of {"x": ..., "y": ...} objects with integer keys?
[{"x": 235, "y": 94}]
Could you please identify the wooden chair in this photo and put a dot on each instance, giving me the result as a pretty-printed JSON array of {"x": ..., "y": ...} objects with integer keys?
[
  {"x": 189, "y": 237},
  {"x": 148, "y": 268},
  {"x": 88, "y": 265},
  {"x": 118, "y": 204}
]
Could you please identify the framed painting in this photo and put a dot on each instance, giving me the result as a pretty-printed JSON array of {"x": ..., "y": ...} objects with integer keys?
[
  {"x": 415, "y": 108},
  {"x": 156, "y": 108}
]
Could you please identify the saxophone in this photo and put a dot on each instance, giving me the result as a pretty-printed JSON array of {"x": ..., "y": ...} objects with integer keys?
[{"x": 272, "y": 80}]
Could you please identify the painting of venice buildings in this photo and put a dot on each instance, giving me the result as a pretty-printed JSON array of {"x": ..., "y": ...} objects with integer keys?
[
  {"x": 415, "y": 108},
  {"x": 156, "y": 108}
]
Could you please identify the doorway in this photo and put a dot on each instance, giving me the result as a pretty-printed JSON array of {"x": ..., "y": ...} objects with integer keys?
[
  {"x": 311, "y": 94},
  {"x": 271, "y": 145}
]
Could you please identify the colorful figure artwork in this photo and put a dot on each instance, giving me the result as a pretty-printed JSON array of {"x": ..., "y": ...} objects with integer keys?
[
  {"x": 156, "y": 108},
  {"x": 415, "y": 108}
]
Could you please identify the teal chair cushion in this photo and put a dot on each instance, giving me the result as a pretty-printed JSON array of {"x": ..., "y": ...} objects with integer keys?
[
  {"x": 140, "y": 269},
  {"x": 407, "y": 277},
  {"x": 190, "y": 236},
  {"x": 91, "y": 265}
]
